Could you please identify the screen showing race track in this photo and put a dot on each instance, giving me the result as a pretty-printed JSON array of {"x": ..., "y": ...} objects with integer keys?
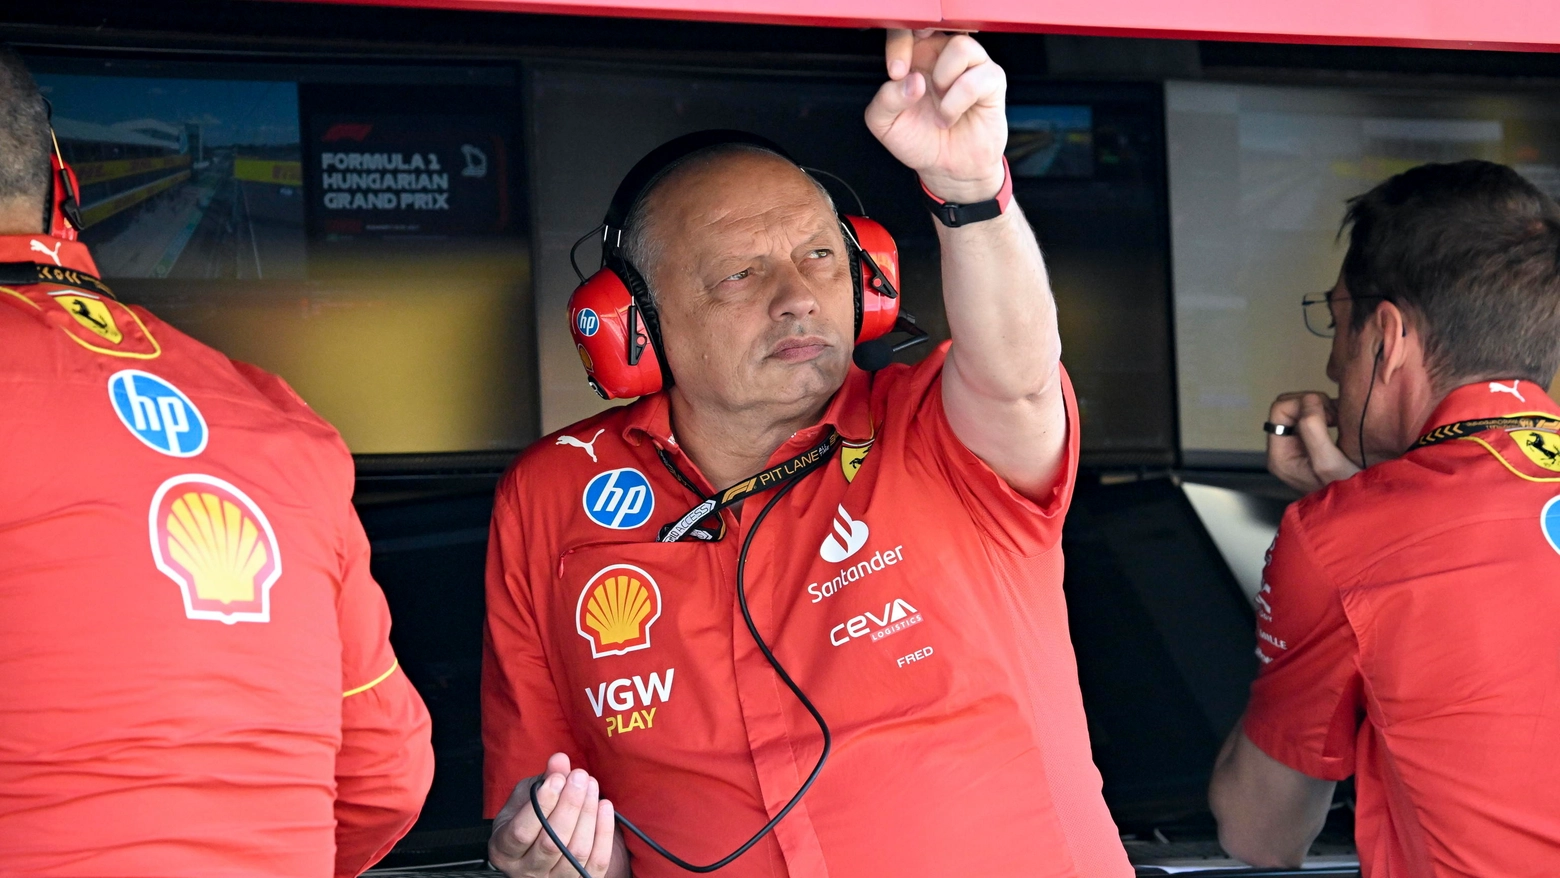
[
  {"x": 184, "y": 178},
  {"x": 1259, "y": 177},
  {"x": 1050, "y": 141},
  {"x": 356, "y": 229}
]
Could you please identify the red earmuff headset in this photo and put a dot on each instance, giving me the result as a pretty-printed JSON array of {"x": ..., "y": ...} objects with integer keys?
[
  {"x": 64, "y": 219},
  {"x": 613, "y": 318}
]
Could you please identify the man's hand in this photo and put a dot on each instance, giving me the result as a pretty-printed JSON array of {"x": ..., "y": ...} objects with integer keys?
[
  {"x": 1310, "y": 460},
  {"x": 574, "y": 808},
  {"x": 942, "y": 113}
]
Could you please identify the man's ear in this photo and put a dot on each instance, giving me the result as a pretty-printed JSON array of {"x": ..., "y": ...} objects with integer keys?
[{"x": 1395, "y": 346}]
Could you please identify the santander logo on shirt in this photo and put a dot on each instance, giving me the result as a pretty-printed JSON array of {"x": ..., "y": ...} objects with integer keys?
[{"x": 848, "y": 538}]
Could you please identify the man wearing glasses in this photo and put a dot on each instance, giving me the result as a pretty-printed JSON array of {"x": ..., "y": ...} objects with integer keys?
[{"x": 1407, "y": 616}]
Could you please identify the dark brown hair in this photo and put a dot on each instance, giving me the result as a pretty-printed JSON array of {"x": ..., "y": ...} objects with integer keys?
[{"x": 1471, "y": 252}]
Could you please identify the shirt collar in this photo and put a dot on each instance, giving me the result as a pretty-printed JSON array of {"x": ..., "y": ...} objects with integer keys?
[
  {"x": 848, "y": 413},
  {"x": 1491, "y": 399},
  {"x": 47, "y": 250}
]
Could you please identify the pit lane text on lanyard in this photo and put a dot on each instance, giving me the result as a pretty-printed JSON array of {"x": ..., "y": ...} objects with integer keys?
[{"x": 774, "y": 477}]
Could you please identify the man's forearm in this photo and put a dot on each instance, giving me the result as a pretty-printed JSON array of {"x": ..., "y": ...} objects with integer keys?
[
  {"x": 1268, "y": 813},
  {"x": 1000, "y": 312},
  {"x": 1002, "y": 381}
]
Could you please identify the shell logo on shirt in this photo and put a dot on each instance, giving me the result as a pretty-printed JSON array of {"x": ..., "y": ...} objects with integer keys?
[
  {"x": 214, "y": 542},
  {"x": 616, "y": 608}
]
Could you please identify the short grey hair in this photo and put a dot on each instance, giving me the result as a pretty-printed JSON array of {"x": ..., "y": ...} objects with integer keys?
[
  {"x": 24, "y": 134},
  {"x": 641, "y": 247}
]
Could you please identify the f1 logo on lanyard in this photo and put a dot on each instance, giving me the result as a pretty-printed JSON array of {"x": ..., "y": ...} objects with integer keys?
[{"x": 157, "y": 413}]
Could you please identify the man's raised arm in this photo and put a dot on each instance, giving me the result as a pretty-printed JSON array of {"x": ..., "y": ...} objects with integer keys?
[{"x": 942, "y": 113}]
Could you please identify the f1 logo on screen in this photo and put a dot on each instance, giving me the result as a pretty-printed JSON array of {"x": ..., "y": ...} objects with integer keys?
[
  {"x": 157, "y": 413},
  {"x": 620, "y": 499}
]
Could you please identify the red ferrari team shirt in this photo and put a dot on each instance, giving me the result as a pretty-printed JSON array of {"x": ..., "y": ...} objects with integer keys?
[
  {"x": 195, "y": 672},
  {"x": 1406, "y": 629},
  {"x": 909, "y": 591}
]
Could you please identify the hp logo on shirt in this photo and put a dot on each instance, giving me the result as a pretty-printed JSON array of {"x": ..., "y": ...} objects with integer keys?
[
  {"x": 157, "y": 413},
  {"x": 619, "y": 499},
  {"x": 587, "y": 321}
]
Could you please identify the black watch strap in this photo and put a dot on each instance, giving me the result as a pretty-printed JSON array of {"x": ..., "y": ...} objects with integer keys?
[{"x": 955, "y": 215}]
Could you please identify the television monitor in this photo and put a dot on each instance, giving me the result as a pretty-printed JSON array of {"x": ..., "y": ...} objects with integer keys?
[{"x": 359, "y": 230}]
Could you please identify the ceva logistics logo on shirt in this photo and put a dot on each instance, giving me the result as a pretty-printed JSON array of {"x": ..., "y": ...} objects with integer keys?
[
  {"x": 157, "y": 413},
  {"x": 617, "y": 606},
  {"x": 619, "y": 498}
]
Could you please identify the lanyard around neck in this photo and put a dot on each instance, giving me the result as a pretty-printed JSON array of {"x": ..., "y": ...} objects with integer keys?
[
  {"x": 773, "y": 477},
  {"x": 1464, "y": 429},
  {"x": 20, "y": 274}
]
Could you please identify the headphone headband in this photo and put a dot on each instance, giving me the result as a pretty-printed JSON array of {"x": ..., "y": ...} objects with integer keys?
[{"x": 655, "y": 165}]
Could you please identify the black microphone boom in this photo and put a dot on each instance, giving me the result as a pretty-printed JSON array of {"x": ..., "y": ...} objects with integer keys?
[{"x": 873, "y": 355}]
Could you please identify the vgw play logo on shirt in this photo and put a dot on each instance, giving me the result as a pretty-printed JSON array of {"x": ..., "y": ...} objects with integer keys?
[
  {"x": 157, "y": 413},
  {"x": 620, "y": 499}
]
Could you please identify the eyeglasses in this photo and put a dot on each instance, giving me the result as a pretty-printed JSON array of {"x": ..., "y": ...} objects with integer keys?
[{"x": 1318, "y": 312}]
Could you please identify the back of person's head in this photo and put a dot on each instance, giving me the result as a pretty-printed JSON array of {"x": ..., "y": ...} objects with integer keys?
[
  {"x": 24, "y": 139},
  {"x": 1471, "y": 252}
]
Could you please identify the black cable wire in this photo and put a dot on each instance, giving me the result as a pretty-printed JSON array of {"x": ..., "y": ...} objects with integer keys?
[
  {"x": 1366, "y": 407},
  {"x": 861, "y": 209},
  {"x": 785, "y": 678},
  {"x": 583, "y": 238}
]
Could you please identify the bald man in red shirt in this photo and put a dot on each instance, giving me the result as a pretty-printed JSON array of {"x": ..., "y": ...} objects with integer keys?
[
  {"x": 907, "y": 577},
  {"x": 1408, "y": 608},
  {"x": 196, "y": 676}
]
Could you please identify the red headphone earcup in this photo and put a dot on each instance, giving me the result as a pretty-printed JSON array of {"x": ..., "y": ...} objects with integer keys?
[
  {"x": 605, "y": 325},
  {"x": 878, "y": 308}
]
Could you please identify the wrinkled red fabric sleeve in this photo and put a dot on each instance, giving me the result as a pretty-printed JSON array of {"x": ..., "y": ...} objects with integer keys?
[
  {"x": 385, "y": 765},
  {"x": 522, "y": 720},
  {"x": 1307, "y": 700},
  {"x": 1014, "y": 522}
]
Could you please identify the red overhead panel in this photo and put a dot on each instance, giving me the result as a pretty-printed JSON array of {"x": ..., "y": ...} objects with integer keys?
[
  {"x": 1532, "y": 25},
  {"x": 818, "y": 13}
]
